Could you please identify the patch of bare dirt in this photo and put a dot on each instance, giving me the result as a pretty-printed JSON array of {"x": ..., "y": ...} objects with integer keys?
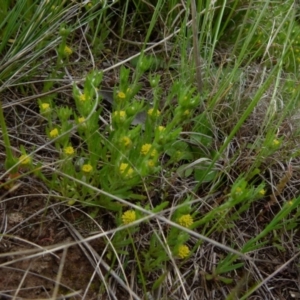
[{"x": 28, "y": 228}]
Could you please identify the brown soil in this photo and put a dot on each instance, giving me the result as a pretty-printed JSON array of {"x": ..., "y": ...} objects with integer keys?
[{"x": 28, "y": 222}]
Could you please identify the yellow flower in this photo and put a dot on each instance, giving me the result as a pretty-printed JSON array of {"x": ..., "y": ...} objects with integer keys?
[
  {"x": 153, "y": 112},
  {"x": 87, "y": 168},
  {"x": 45, "y": 107},
  {"x": 238, "y": 191},
  {"x": 121, "y": 95},
  {"x": 126, "y": 141},
  {"x": 120, "y": 114},
  {"x": 186, "y": 220},
  {"x": 24, "y": 159},
  {"x": 53, "y": 133},
  {"x": 183, "y": 251},
  {"x": 69, "y": 150},
  {"x": 68, "y": 51},
  {"x": 128, "y": 217},
  {"x": 151, "y": 163},
  {"x": 262, "y": 192},
  {"x": 125, "y": 170},
  {"x": 82, "y": 97},
  {"x": 145, "y": 149},
  {"x": 81, "y": 120},
  {"x": 161, "y": 128},
  {"x": 276, "y": 142},
  {"x": 186, "y": 112}
]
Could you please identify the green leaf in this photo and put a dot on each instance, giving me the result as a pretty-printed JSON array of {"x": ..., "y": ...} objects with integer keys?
[
  {"x": 201, "y": 176},
  {"x": 225, "y": 269},
  {"x": 183, "y": 172},
  {"x": 160, "y": 207},
  {"x": 158, "y": 282}
]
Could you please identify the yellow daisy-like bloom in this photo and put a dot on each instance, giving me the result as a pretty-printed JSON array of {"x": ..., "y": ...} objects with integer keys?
[
  {"x": 81, "y": 120},
  {"x": 87, "y": 168},
  {"x": 82, "y": 97},
  {"x": 24, "y": 159},
  {"x": 68, "y": 51},
  {"x": 125, "y": 170},
  {"x": 128, "y": 217},
  {"x": 186, "y": 220},
  {"x": 121, "y": 95},
  {"x": 69, "y": 150},
  {"x": 54, "y": 133},
  {"x": 153, "y": 112},
  {"x": 121, "y": 114},
  {"x": 45, "y": 107},
  {"x": 262, "y": 192},
  {"x": 161, "y": 128},
  {"x": 145, "y": 149},
  {"x": 183, "y": 251},
  {"x": 126, "y": 141}
]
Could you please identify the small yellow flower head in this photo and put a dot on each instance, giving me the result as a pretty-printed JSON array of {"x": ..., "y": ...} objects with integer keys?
[
  {"x": 145, "y": 149},
  {"x": 81, "y": 120},
  {"x": 276, "y": 142},
  {"x": 87, "y": 168},
  {"x": 161, "y": 128},
  {"x": 153, "y": 112},
  {"x": 45, "y": 107},
  {"x": 186, "y": 112},
  {"x": 262, "y": 192},
  {"x": 82, "y": 97},
  {"x": 53, "y": 133},
  {"x": 24, "y": 159},
  {"x": 186, "y": 220},
  {"x": 126, "y": 141},
  {"x": 121, "y": 95},
  {"x": 151, "y": 163},
  {"x": 238, "y": 191},
  {"x": 69, "y": 150},
  {"x": 128, "y": 217},
  {"x": 120, "y": 114},
  {"x": 68, "y": 51},
  {"x": 183, "y": 251},
  {"x": 125, "y": 170}
]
